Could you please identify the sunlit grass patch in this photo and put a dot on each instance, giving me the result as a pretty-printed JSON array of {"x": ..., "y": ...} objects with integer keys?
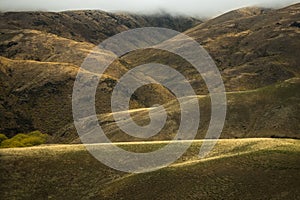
[{"x": 24, "y": 140}]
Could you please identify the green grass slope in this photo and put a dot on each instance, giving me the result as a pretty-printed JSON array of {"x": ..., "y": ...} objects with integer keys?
[{"x": 235, "y": 169}]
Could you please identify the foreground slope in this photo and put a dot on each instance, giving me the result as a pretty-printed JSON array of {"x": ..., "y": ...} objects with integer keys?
[{"x": 235, "y": 169}]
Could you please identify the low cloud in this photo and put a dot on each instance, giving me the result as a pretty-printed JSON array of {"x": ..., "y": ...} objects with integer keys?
[{"x": 188, "y": 7}]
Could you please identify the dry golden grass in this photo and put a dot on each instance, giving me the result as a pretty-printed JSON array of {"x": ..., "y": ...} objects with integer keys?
[{"x": 235, "y": 169}]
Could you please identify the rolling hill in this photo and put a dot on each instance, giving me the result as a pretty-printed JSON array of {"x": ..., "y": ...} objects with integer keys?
[
  {"x": 257, "y": 52},
  {"x": 272, "y": 111},
  {"x": 235, "y": 169}
]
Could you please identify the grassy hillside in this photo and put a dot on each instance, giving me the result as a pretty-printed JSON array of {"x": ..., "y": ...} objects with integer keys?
[
  {"x": 252, "y": 47},
  {"x": 235, "y": 169},
  {"x": 272, "y": 111}
]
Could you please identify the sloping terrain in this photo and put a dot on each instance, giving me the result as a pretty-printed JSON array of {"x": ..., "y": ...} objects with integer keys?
[
  {"x": 253, "y": 48},
  {"x": 38, "y": 95},
  {"x": 27, "y": 44},
  {"x": 271, "y": 111},
  {"x": 235, "y": 169},
  {"x": 90, "y": 25}
]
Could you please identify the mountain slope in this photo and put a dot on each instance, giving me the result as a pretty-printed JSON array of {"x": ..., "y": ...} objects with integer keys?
[
  {"x": 38, "y": 95},
  {"x": 90, "y": 25},
  {"x": 256, "y": 50},
  {"x": 253, "y": 48},
  {"x": 26, "y": 44}
]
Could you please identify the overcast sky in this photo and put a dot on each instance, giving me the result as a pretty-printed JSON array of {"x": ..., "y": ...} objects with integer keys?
[{"x": 202, "y": 8}]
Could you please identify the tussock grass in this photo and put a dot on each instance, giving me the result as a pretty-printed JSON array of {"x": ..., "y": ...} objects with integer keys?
[{"x": 237, "y": 168}]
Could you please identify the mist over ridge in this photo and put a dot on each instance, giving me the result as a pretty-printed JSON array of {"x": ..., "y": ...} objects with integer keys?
[{"x": 207, "y": 9}]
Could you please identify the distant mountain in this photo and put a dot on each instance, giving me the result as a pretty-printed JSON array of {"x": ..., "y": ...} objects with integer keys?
[
  {"x": 257, "y": 51},
  {"x": 252, "y": 47},
  {"x": 90, "y": 25}
]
